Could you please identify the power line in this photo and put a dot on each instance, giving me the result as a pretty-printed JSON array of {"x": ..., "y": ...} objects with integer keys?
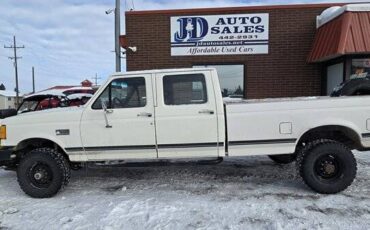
[
  {"x": 33, "y": 79},
  {"x": 15, "y": 58},
  {"x": 96, "y": 78}
]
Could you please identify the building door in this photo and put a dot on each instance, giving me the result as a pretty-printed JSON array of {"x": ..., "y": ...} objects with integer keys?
[{"x": 334, "y": 75}]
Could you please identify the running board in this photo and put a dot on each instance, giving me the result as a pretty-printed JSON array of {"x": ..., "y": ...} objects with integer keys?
[
  {"x": 179, "y": 162},
  {"x": 211, "y": 162}
]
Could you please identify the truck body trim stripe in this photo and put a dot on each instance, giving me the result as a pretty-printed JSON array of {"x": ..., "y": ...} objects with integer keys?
[
  {"x": 263, "y": 142},
  {"x": 187, "y": 145},
  {"x": 108, "y": 148},
  {"x": 191, "y": 145},
  {"x": 138, "y": 147}
]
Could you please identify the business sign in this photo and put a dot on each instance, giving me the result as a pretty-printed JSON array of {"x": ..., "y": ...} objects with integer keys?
[{"x": 220, "y": 34}]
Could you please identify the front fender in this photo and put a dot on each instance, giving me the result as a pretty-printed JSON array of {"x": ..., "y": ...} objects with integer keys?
[{"x": 49, "y": 138}]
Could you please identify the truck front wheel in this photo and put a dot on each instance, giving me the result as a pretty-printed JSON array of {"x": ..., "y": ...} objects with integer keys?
[
  {"x": 326, "y": 166},
  {"x": 43, "y": 172}
]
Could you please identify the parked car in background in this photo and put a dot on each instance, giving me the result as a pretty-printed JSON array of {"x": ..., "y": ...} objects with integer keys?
[
  {"x": 353, "y": 87},
  {"x": 49, "y": 99}
]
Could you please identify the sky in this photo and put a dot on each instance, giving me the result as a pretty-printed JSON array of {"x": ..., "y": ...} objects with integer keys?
[{"x": 68, "y": 41}]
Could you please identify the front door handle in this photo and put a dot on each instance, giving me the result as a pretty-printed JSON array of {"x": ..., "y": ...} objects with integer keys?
[
  {"x": 207, "y": 111},
  {"x": 108, "y": 110},
  {"x": 144, "y": 114}
]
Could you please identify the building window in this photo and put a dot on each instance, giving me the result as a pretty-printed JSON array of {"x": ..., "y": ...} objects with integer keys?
[
  {"x": 231, "y": 79},
  {"x": 123, "y": 93},
  {"x": 334, "y": 77},
  {"x": 360, "y": 68},
  {"x": 9, "y": 98},
  {"x": 184, "y": 89}
]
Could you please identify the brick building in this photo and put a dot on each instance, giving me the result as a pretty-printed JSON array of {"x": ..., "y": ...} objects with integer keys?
[{"x": 265, "y": 51}]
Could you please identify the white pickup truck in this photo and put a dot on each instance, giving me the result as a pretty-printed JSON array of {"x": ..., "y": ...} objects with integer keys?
[{"x": 180, "y": 114}]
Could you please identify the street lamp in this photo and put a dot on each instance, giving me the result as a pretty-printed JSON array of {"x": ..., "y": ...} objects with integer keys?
[
  {"x": 109, "y": 11},
  {"x": 117, "y": 32}
]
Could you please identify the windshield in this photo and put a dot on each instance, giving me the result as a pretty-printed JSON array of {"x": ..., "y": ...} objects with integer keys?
[{"x": 28, "y": 106}]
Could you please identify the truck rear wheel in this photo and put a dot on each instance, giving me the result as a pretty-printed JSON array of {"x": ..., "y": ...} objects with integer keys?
[
  {"x": 43, "y": 172},
  {"x": 326, "y": 166},
  {"x": 283, "y": 158}
]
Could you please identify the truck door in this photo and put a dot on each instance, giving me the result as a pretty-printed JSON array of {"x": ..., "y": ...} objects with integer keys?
[
  {"x": 186, "y": 115},
  {"x": 125, "y": 128}
]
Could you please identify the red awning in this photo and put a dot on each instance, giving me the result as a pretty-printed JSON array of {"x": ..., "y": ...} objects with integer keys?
[{"x": 347, "y": 34}]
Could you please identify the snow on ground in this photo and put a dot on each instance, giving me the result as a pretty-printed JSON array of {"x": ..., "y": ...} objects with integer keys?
[{"x": 248, "y": 193}]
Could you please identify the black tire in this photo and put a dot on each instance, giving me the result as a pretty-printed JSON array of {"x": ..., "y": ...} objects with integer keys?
[
  {"x": 326, "y": 166},
  {"x": 43, "y": 172},
  {"x": 283, "y": 158}
]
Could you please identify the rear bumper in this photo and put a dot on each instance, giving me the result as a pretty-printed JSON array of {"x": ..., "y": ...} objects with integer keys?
[{"x": 6, "y": 153}]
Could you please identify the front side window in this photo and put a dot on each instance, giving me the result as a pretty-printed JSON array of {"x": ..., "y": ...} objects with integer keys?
[
  {"x": 123, "y": 93},
  {"x": 184, "y": 89},
  {"x": 28, "y": 106}
]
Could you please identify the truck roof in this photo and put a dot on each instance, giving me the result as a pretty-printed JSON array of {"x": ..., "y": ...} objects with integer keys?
[{"x": 161, "y": 71}]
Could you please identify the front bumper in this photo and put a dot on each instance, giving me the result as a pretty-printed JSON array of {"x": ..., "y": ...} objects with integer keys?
[{"x": 6, "y": 153}]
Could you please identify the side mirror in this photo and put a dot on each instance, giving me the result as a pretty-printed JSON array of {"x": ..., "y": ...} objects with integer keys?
[
  {"x": 106, "y": 110},
  {"x": 104, "y": 107},
  {"x": 4, "y": 113}
]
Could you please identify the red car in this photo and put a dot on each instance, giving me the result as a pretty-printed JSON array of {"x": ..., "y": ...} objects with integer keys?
[{"x": 54, "y": 98}]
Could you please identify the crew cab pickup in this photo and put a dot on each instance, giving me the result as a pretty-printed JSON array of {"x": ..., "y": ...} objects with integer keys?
[{"x": 180, "y": 114}]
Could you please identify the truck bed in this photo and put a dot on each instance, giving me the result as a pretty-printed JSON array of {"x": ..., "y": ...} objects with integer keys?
[{"x": 275, "y": 125}]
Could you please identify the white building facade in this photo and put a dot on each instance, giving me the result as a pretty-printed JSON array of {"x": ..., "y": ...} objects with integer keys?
[{"x": 8, "y": 99}]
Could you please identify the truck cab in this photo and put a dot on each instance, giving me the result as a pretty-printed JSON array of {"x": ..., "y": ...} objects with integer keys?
[{"x": 175, "y": 114}]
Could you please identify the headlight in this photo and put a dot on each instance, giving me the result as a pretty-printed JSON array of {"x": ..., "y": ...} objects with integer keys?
[{"x": 3, "y": 132}]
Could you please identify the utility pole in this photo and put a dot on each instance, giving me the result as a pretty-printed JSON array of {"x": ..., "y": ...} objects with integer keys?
[
  {"x": 15, "y": 58},
  {"x": 117, "y": 24},
  {"x": 33, "y": 79},
  {"x": 96, "y": 79}
]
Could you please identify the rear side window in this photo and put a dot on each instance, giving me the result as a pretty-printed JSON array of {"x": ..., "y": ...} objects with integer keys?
[
  {"x": 123, "y": 93},
  {"x": 184, "y": 89}
]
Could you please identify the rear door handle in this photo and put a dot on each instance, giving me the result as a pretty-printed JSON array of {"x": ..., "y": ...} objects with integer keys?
[
  {"x": 144, "y": 114},
  {"x": 207, "y": 111}
]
